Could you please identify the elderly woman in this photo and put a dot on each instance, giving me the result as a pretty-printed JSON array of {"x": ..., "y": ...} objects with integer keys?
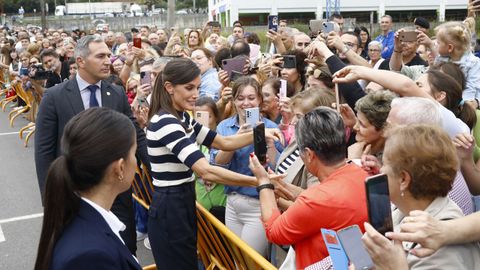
[
  {"x": 420, "y": 162},
  {"x": 321, "y": 140},
  {"x": 372, "y": 112},
  {"x": 375, "y": 49}
]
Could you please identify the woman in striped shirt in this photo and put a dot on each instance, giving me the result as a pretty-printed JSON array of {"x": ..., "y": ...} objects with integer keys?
[{"x": 173, "y": 139}]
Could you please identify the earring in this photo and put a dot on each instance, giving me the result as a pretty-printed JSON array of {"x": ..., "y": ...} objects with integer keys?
[
  {"x": 402, "y": 194},
  {"x": 120, "y": 177}
]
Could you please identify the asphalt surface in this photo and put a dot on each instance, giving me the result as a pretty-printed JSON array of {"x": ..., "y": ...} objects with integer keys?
[{"x": 21, "y": 211}]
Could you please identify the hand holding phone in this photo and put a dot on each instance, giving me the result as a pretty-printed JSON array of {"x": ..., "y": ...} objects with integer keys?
[
  {"x": 328, "y": 27},
  {"x": 145, "y": 78},
  {"x": 234, "y": 64},
  {"x": 289, "y": 61}
]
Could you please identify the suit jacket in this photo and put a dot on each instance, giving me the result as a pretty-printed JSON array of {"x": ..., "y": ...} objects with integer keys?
[
  {"x": 89, "y": 243},
  {"x": 59, "y": 104}
]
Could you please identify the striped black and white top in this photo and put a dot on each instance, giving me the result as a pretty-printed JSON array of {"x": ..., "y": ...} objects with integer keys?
[
  {"x": 287, "y": 162},
  {"x": 172, "y": 150}
]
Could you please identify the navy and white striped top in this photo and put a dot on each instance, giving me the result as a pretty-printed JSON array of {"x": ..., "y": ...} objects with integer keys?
[{"x": 173, "y": 151}]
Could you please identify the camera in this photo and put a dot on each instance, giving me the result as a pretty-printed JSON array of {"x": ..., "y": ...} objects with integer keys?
[{"x": 38, "y": 72}]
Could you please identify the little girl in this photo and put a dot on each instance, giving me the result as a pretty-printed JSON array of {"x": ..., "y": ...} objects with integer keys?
[{"x": 453, "y": 45}]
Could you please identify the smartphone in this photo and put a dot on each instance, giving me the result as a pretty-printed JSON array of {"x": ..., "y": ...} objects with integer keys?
[
  {"x": 23, "y": 71},
  {"x": 235, "y": 75},
  {"x": 407, "y": 36},
  {"x": 283, "y": 88},
  {"x": 315, "y": 26},
  {"x": 202, "y": 117},
  {"x": 351, "y": 239},
  {"x": 378, "y": 203},
  {"x": 259, "y": 143},
  {"x": 252, "y": 116},
  {"x": 137, "y": 42},
  {"x": 145, "y": 78},
  {"x": 234, "y": 64},
  {"x": 289, "y": 61},
  {"x": 335, "y": 249},
  {"x": 273, "y": 23},
  {"x": 328, "y": 27},
  {"x": 337, "y": 98}
]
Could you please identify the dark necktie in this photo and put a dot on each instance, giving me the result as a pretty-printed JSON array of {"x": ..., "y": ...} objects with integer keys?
[{"x": 93, "y": 99}]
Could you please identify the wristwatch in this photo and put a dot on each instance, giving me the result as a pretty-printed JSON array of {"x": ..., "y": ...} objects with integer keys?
[{"x": 269, "y": 186}]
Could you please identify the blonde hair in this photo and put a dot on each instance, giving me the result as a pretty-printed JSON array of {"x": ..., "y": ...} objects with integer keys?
[
  {"x": 456, "y": 33},
  {"x": 313, "y": 98}
]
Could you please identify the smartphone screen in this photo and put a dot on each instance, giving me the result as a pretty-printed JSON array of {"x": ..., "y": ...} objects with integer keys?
[
  {"x": 283, "y": 88},
  {"x": 145, "y": 78},
  {"x": 378, "y": 203},
  {"x": 137, "y": 42},
  {"x": 259, "y": 143},
  {"x": 252, "y": 116},
  {"x": 273, "y": 23},
  {"x": 202, "y": 117},
  {"x": 351, "y": 239},
  {"x": 335, "y": 249}
]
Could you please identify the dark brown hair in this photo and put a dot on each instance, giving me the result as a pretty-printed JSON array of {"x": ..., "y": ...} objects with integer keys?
[
  {"x": 88, "y": 148},
  {"x": 178, "y": 71},
  {"x": 442, "y": 82}
]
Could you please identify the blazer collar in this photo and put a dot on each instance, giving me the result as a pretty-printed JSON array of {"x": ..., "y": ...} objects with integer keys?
[
  {"x": 75, "y": 99},
  {"x": 89, "y": 213}
]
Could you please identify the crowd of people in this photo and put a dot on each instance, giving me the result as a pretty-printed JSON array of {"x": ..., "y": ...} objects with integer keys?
[{"x": 337, "y": 107}]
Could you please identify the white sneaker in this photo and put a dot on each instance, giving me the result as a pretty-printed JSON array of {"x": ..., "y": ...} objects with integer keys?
[
  {"x": 146, "y": 243},
  {"x": 141, "y": 236}
]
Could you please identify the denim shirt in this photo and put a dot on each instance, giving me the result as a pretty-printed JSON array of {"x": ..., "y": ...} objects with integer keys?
[
  {"x": 210, "y": 85},
  {"x": 240, "y": 159},
  {"x": 470, "y": 66},
  {"x": 387, "y": 43}
]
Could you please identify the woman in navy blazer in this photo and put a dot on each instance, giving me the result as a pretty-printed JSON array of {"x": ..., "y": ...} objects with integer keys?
[{"x": 97, "y": 163}]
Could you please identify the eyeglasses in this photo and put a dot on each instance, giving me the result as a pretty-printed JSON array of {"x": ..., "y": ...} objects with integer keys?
[
  {"x": 350, "y": 44},
  {"x": 373, "y": 50},
  {"x": 306, "y": 44}
]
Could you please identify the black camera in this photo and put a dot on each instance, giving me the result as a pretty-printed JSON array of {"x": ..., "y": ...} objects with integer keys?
[{"x": 38, "y": 72}]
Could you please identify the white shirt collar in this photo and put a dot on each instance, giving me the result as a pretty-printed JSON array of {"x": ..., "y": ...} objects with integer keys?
[
  {"x": 82, "y": 84},
  {"x": 113, "y": 222}
]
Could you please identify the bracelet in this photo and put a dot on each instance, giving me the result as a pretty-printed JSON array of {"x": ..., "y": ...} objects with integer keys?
[{"x": 269, "y": 186}]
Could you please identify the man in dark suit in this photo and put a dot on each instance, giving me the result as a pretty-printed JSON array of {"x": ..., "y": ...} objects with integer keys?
[{"x": 63, "y": 101}]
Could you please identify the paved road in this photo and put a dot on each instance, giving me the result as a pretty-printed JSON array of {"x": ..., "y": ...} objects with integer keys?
[{"x": 20, "y": 207}]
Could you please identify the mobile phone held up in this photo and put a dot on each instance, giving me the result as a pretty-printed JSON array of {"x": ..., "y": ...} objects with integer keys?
[
  {"x": 145, "y": 78},
  {"x": 234, "y": 64},
  {"x": 252, "y": 116},
  {"x": 407, "y": 36},
  {"x": 351, "y": 239},
  {"x": 202, "y": 117},
  {"x": 259, "y": 143},
  {"x": 328, "y": 27},
  {"x": 137, "y": 42},
  {"x": 378, "y": 203},
  {"x": 273, "y": 23},
  {"x": 289, "y": 61},
  {"x": 335, "y": 249}
]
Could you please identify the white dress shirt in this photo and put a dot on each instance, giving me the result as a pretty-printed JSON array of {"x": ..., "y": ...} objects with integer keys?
[
  {"x": 85, "y": 92},
  {"x": 113, "y": 222}
]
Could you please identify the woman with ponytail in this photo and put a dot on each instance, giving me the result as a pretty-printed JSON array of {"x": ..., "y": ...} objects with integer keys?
[
  {"x": 173, "y": 138},
  {"x": 97, "y": 163}
]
